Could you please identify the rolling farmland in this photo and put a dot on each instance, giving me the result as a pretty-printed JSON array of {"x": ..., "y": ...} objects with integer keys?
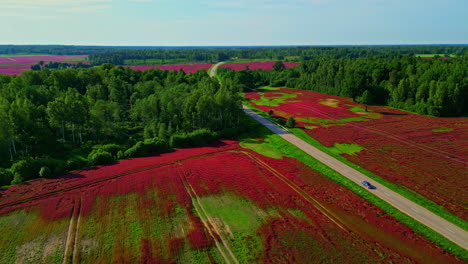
[{"x": 220, "y": 203}]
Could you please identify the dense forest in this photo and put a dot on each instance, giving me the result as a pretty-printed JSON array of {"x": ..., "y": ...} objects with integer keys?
[
  {"x": 434, "y": 87},
  {"x": 58, "y": 120}
]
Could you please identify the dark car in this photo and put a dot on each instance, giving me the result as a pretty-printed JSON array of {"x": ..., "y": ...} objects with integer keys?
[{"x": 368, "y": 185}]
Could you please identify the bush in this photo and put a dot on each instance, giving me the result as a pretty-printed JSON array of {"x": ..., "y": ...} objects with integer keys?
[
  {"x": 17, "y": 179},
  {"x": 100, "y": 157},
  {"x": 45, "y": 172},
  {"x": 148, "y": 147},
  {"x": 75, "y": 163},
  {"x": 113, "y": 149},
  {"x": 5, "y": 177},
  {"x": 196, "y": 138},
  {"x": 291, "y": 122},
  {"x": 25, "y": 169}
]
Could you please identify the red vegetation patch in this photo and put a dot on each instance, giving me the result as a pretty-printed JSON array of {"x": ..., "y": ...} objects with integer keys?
[
  {"x": 284, "y": 184},
  {"x": 399, "y": 146},
  {"x": 17, "y": 65},
  {"x": 256, "y": 65}
]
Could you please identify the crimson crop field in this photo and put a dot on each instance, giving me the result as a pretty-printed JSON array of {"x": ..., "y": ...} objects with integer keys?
[
  {"x": 17, "y": 65},
  {"x": 187, "y": 68},
  {"x": 214, "y": 204},
  {"x": 256, "y": 65},
  {"x": 424, "y": 154}
]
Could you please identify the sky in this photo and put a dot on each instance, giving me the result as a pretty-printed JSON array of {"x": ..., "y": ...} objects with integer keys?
[{"x": 233, "y": 22}]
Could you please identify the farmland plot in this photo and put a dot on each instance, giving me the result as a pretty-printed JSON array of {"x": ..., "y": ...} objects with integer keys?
[
  {"x": 216, "y": 204},
  {"x": 424, "y": 154}
]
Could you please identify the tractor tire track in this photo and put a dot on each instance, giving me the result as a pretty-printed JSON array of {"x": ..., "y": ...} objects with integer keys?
[
  {"x": 208, "y": 222},
  {"x": 100, "y": 180},
  {"x": 70, "y": 244}
]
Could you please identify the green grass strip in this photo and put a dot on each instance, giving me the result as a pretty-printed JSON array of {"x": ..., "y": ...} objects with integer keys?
[{"x": 292, "y": 151}]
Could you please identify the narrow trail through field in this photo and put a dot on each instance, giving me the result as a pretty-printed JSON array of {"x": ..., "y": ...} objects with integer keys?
[
  {"x": 71, "y": 246},
  {"x": 417, "y": 212},
  {"x": 209, "y": 224},
  {"x": 426, "y": 148}
]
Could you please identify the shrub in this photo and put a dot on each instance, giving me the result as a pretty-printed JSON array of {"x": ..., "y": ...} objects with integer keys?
[
  {"x": 17, "y": 179},
  {"x": 25, "y": 169},
  {"x": 291, "y": 122},
  {"x": 100, "y": 157},
  {"x": 113, "y": 149},
  {"x": 192, "y": 139},
  {"x": 75, "y": 163},
  {"x": 147, "y": 147},
  {"x": 45, "y": 172},
  {"x": 5, "y": 177}
]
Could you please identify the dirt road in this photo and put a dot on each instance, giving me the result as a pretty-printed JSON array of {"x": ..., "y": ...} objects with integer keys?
[{"x": 420, "y": 214}]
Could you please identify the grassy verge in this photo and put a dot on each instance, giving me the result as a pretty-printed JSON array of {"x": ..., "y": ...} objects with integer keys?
[{"x": 290, "y": 150}]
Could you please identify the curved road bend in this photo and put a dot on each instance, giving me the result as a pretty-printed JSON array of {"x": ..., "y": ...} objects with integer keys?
[
  {"x": 214, "y": 68},
  {"x": 424, "y": 216}
]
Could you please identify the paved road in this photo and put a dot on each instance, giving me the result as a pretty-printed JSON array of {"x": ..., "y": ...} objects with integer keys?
[
  {"x": 214, "y": 68},
  {"x": 424, "y": 216}
]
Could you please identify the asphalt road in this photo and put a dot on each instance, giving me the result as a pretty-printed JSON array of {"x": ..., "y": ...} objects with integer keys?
[
  {"x": 214, "y": 68},
  {"x": 420, "y": 214}
]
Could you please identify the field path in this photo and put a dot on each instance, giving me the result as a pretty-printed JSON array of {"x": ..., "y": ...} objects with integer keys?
[{"x": 417, "y": 212}]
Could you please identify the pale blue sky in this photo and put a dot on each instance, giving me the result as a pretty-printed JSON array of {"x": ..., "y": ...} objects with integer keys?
[{"x": 236, "y": 22}]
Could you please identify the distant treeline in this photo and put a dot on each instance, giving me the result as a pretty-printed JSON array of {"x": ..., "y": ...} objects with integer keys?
[
  {"x": 302, "y": 53},
  {"x": 433, "y": 87},
  {"x": 52, "y": 121},
  {"x": 119, "y": 55}
]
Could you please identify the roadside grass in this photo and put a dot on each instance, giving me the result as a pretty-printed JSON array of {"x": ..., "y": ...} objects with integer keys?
[
  {"x": 275, "y": 141},
  {"x": 259, "y": 147},
  {"x": 349, "y": 149}
]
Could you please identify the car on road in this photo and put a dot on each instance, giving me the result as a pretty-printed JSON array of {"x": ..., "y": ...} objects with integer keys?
[{"x": 368, "y": 185}]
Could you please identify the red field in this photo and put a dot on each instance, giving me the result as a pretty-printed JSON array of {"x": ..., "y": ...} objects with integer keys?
[
  {"x": 17, "y": 65},
  {"x": 211, "y": 204},
  {"x": 256, "y": 65},
  {"x": 424, "y": 154}
]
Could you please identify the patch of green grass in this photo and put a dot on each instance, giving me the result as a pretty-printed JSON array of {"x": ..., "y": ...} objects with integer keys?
[
  {"x": 294, "y": 152},
  {"x": 356, "y": 109},
  {"x": 273, "y": 101},
  {"x": 242, "y": 218},
  {"x": 261, "y": 148},
  {"x": 349, "y": 149},
  {"x": 353, "y": 119},
  {"x": 442, "y": 129}
]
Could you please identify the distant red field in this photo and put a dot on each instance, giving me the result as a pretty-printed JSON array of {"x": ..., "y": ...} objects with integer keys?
[
  {"x": 17, "y": 65},
  {"x": 219, "y": 203},
  {"x": 256, "y": 65},
  {"x": 425, "y": 154},
  {"x": 187, "y": 68}
]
